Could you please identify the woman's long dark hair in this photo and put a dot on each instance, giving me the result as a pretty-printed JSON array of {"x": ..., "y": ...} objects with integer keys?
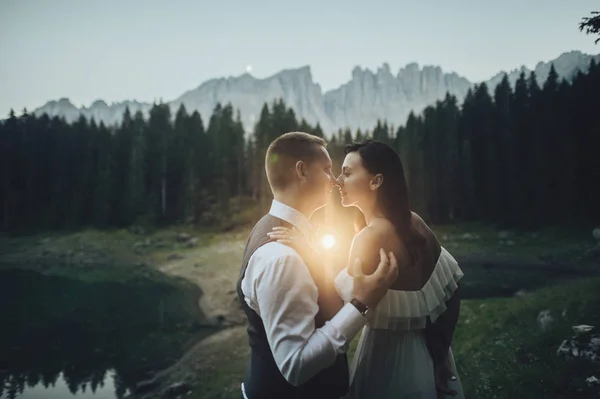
[{"x": 393, "y": 198}]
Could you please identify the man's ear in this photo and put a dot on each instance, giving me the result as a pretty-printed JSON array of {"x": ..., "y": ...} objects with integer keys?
[
  {"x": 376, "y": 182},
  {"x": 301, "y": 170}
]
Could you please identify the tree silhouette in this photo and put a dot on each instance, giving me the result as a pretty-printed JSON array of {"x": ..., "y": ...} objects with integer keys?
[{"x": 591, "y": 25}]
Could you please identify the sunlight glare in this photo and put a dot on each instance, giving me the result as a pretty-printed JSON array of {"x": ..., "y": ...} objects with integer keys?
[{"x": 328, "y": 241}]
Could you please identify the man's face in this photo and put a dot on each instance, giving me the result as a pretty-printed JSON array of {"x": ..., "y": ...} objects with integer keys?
[{"x": 320, "y": 179}]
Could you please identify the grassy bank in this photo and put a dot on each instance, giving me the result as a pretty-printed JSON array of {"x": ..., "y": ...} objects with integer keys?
[{"x": 500, "y": 350}]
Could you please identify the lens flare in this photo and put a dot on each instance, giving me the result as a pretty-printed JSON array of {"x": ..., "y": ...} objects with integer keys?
[{"x": 328, "y": 241}]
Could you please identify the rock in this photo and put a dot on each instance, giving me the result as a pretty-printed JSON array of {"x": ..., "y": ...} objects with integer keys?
[
  {"x": 174, "y": 257},
  {"x": 521, "y": 293},
  {"x": 183, "y": 237},
  {"x": 583, "y": 330},
  {"x": 146, "y": 386},
  {"x": 592, "y": 381},
  {"x": 503, "y": 235},
  {"x": 467, "y": 236},
  {"x": 545, "y": 320},
  {"x": 510, "y": 243},
  {"x": 139, "y": 230},
  {"x": 586, "y": 347},
  {"x": 192, "y": 242},
  {"x": 142, "y": 244},
  {"x": 176, "y": 389},
  {"x": 596, "y": 233}
]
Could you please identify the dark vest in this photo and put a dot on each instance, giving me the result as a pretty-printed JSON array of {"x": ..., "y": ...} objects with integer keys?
[{"x": 263, "y": 380}]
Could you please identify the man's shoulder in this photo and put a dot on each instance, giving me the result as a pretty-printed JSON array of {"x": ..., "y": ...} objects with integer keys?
[{"x": 274, "y": 253}]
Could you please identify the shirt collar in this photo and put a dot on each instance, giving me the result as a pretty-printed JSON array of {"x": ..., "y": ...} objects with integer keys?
[{"x": 292, "y": 216}]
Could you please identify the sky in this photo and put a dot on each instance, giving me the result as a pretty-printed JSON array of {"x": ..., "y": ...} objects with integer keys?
[{"x": 148, "y": 50}]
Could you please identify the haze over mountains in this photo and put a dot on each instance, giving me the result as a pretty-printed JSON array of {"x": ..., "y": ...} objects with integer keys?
[{"x": 359, "y": 103}]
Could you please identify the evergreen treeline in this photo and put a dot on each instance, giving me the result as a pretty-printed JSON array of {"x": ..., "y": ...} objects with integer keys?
[
  {"x": 517, "y": 157},
  {"x": 160, "y": 170}
]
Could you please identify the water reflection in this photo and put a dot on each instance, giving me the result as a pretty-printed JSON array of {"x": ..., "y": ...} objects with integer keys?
[
  {"x": 60, "y": 335},
  {"x": 108, "y": 387}
]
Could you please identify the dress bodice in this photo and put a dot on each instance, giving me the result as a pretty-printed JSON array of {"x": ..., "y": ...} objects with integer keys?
[{"x": 409, "y": 310}]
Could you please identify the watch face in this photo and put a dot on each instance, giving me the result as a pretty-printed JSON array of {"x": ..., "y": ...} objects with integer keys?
[{"x": 362, "y": 308}]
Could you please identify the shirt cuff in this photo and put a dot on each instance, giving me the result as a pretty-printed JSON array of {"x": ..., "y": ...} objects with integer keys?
[{"x": 348, "y": 321}]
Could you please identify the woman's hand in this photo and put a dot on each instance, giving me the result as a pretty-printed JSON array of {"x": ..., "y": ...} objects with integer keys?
[
  {"x": 295, "y": 239},
  {"x": 329, "y": 301},
  {"x": 443, "y": 374}
]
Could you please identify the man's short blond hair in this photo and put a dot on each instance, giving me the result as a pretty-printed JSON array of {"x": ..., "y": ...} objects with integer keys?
[{"x": 285, "y": 151}]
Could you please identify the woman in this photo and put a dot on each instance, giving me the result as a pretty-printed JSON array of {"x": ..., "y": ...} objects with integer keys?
[{"x": 404, "y": 350}]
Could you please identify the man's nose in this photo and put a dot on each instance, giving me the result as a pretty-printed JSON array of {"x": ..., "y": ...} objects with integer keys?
[
  {"x": 338, "y": 181},
  {"x": 332, "y": 180}
]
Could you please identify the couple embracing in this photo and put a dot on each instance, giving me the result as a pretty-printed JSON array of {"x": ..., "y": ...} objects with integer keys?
[{"x": 399, "y": 287}]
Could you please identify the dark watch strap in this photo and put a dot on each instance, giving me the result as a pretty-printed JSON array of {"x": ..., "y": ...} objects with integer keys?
[{"x": 361, "y": 307}]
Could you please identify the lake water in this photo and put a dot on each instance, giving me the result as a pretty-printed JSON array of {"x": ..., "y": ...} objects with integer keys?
[{"x": 64, "y": 338}]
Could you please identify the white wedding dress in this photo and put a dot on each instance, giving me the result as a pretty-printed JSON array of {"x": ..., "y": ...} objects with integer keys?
[{"x": 392, "y": 359}]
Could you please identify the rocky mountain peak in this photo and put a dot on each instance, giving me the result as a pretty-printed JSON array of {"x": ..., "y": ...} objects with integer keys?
[{"x": 358, "y": 103}]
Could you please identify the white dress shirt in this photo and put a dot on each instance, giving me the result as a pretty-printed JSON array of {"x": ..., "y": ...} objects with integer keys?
[{"x": 279, "y": 288}]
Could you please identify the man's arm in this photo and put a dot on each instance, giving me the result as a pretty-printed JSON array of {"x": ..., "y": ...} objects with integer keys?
[{"x": 287, "y": 300}]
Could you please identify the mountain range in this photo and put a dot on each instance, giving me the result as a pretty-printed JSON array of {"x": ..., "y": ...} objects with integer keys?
[{"x": 359, "y": 103}]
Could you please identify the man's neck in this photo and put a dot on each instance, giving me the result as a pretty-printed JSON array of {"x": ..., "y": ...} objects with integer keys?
[{"x": 294, "y": 202}]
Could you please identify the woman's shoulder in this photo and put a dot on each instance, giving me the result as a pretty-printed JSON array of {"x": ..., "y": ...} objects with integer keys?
[
  {"x": 368, "y": 241},
  {"x": 373, "y": 235}
]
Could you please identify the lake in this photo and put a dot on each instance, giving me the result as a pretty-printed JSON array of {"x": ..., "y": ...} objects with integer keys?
[{"x": 62, "y": 337}]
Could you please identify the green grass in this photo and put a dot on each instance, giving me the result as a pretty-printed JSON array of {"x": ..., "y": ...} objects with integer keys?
[
  {"x": 501, "y": 351},
  {"x": 498, "y": 346},
  {"x": 485, "y": 239}
]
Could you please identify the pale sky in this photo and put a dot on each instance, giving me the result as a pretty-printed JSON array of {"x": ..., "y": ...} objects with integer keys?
[{"x": 145, "y": 50}]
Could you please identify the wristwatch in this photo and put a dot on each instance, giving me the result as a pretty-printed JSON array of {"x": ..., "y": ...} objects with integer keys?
[{"x": 361, "y": 307}]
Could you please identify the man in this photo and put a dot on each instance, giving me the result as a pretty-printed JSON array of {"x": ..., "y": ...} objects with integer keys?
[{"x": 290, "y": 357}]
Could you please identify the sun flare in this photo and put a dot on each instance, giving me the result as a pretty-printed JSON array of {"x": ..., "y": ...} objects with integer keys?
[{"x": 328, "y": 241}]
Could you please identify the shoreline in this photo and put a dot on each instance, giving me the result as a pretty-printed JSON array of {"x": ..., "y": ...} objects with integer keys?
[{"x": 212, "y": 366}]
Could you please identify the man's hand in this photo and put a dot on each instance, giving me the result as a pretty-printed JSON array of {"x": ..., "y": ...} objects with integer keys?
[{"x": 372, "y": 288}]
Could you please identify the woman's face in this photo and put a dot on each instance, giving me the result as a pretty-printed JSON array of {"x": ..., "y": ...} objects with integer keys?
[{"x": 354, "y": 182}]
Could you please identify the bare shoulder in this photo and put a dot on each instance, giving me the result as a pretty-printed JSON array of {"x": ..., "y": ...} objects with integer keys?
[
  {"x": 366, "y": 238},
  {"x": 366, "y": 245}
]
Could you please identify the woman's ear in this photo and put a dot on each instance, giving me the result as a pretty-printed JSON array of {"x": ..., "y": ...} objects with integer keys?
[{"x": 376, "y": 182}]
